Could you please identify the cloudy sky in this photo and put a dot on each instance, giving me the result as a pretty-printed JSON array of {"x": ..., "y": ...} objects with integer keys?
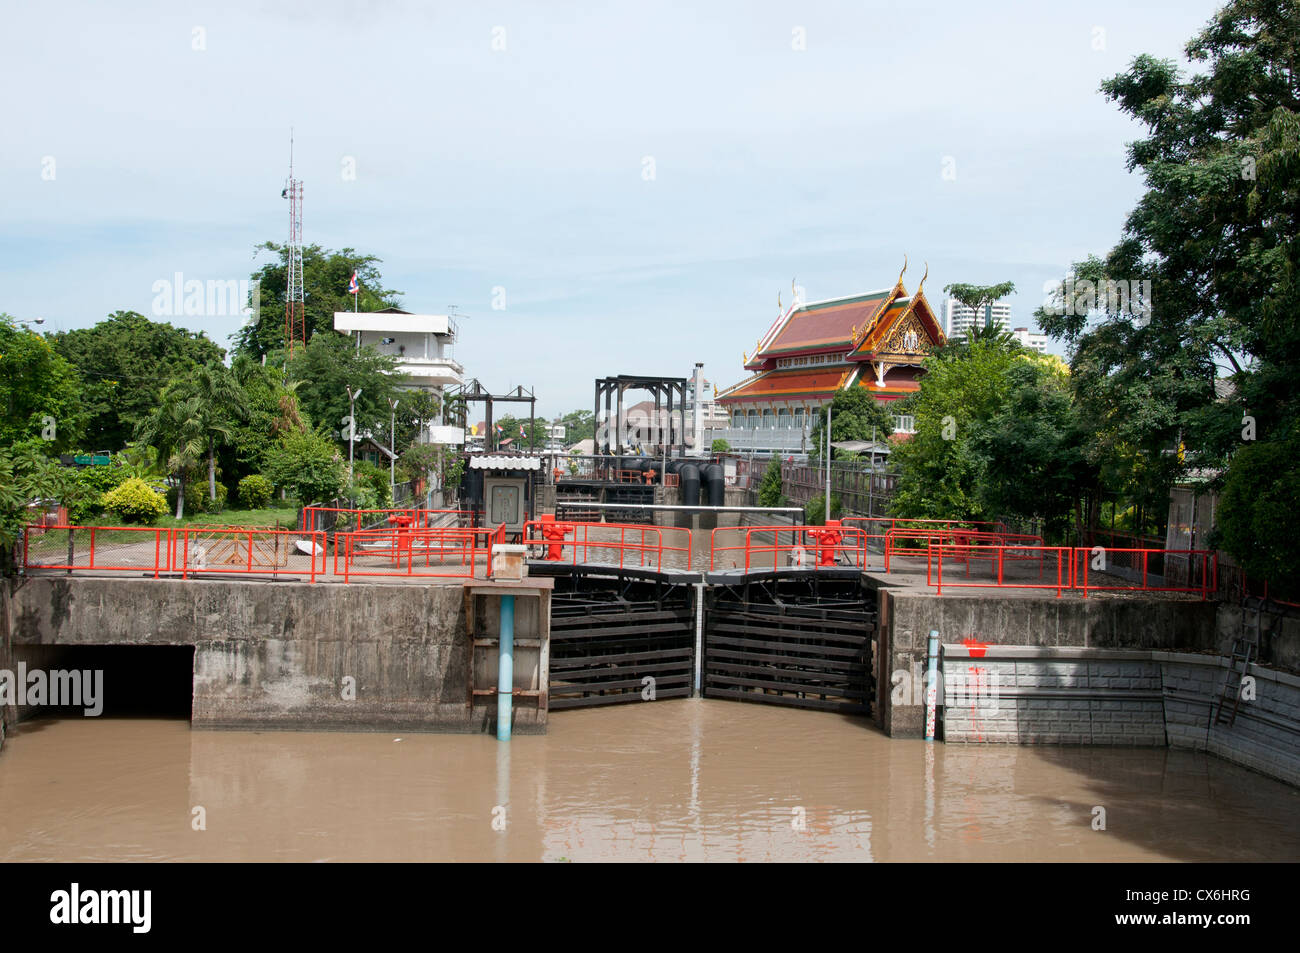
[{"x": 639, "y": 179}]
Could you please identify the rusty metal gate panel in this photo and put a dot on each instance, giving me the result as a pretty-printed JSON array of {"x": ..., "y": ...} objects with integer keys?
[
  {"x": 619, "y": 635},
  {"x": 800, "y": 638}
]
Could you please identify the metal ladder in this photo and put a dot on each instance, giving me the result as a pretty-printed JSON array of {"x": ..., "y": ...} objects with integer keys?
[{"x": 1244, "y": 649}]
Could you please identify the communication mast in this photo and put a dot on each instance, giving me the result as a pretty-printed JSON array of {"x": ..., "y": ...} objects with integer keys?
[{"x": 295, "y": 313}]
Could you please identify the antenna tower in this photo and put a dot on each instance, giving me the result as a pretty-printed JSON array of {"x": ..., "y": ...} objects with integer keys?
[{"x": 295, "y": 315}]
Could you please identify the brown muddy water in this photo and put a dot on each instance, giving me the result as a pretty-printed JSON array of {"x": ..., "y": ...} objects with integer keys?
[{"x": 677, "y": 780}]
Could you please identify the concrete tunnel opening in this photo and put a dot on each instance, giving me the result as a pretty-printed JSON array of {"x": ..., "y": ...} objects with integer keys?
[{"x": 121, "y": 681}]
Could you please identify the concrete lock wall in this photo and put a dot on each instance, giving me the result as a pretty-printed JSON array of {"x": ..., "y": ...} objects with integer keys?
[
  {"x": 907, "y": 618},
  {"x": 279, "y": 654},
  {"x": 1034, "y": 695}
]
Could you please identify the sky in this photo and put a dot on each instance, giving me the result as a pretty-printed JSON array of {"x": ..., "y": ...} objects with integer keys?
[{"x": 598, "y": 188}]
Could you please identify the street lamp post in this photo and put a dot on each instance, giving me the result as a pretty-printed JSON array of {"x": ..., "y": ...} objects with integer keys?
[
  {"x": 352, "y": 433},
  {"x": 392, "y": 445}
]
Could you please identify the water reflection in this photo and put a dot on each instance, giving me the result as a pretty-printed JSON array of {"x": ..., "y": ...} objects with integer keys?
[{"x": 674, "y": 780}]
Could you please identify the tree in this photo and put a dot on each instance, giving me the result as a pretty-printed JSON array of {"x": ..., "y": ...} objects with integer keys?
[
  {"x": 39, "y": 390},
  {"x": 326, "y": 276},
  {"x": 1208, "y": 255},
  {"x": 1259, "y": 498},
  {"x": 124, "y": 361},
  {"x": 417, "y": 408},
  {"x": 309, "y": 465},
  {"x": 328, "y": 367},
  {"x": 980, "y": 297},
  {"x": 28, "y": 475},
  {"x": 222, "y": 404},
  {"x": 940, "y": 469},
  {"x": 1033, "y": 452},
  {"x": 855, "y": 415},
  {"x": 579, "y": 425},
  {"x": 720, "y": 446},
  {"x": 769, "y": 488},
  {"x": 177, "y": 429}
]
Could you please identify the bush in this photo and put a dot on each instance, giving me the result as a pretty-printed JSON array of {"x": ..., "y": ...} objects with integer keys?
[
  {"x": 769, "y": 488},
  {"x": 255, "y": 492},
  {"x": 308, "y": 465},
  {"x": 195, "y": 491},
  {"x": 720, "y": 445},
  {"x": 209, "y": 504},
  {"x": 814, "y": 511},
  {"x": 134, "y": 501}
]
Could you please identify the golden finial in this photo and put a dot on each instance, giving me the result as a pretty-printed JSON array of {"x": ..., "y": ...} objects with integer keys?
[
  {"x": 923, "y": 277},
  {"x": 900, "y": 274}
]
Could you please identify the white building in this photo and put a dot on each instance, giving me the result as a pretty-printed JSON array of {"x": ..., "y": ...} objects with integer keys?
[
  {"x": 958, "y": 318},
  {"x": 421, "y": 344},
  {"x": 1031, "y": 339}
]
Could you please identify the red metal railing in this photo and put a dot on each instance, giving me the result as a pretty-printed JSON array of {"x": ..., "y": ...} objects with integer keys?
[
  {"x": 314, "y": 517},
  {"x": 998, "y": 555},
  {"x": 98, "y": 548},
  {"x": 916, "y": 542},
  {"x": 590, "y": 541},
  {"x": 800, "y": 546},
  {"x": 257, "y": 552},
  {"x": 1073, "y": 568},
  {"x": 445, "y": 551},
  {"x": 192, "y": 550}
]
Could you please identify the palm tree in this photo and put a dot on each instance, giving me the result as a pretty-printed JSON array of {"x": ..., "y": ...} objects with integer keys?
[
  {"x": 222, "y": 403},
  {"x": 177, "y": 428}
]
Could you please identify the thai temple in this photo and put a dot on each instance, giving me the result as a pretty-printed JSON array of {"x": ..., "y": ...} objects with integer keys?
[{"x": 876, "y": 341}]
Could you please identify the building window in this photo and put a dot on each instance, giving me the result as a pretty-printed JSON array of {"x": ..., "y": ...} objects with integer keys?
[
  {"x": 783, "y": 419},
  {"x": 753, "y": 420},
  {"x": 768, "y": 419},
  {"x": 738, "y": 419}
]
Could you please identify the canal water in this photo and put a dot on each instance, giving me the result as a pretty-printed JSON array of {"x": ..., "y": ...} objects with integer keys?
[{"x": 676, "y": 780}]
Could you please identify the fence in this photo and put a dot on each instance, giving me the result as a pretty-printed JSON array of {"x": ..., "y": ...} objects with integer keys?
[
  {"x": 1011, "y": 566},
  {"x": 445, "y": 551},
  {"x": 189, "y": 551},
  {"x": 622, "y": 544},
  {"x": 778, "y": 547}
]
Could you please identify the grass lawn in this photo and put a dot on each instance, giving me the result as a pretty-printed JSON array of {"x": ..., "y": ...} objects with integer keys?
[{"x": 286, "y": 514}]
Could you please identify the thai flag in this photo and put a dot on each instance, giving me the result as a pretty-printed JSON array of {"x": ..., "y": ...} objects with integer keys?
[
  {"x": 500, "y": 431},
  {"x": 521, "y": 431},
  {"x": 353, "y": 287}
]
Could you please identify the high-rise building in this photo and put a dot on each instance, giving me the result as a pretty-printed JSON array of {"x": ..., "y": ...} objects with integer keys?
[
  {"x": 1031, "y": 339},
  {"x": 959, "y": 317}
]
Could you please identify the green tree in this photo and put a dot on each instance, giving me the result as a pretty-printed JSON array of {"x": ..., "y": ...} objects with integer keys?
[
  {"x": 979, "y": 297},
  {"x": 222, "y": 404},
  {"x": 1255, "y": 509},
  {"x": 769, "y": 487},
  {"x": 29, "y": 475},
  {"x": 39, "y": 391},
  {"x": 309, "y": 465},
  {"x": 1214, "y": 235},
  {"x": 855, "y": 415},
  {"x": 328, "y": 367},
  {"x": 1033, "y": 452},
  {"x": 941, "y": 470},
  {"x": 416, "y": 410},
  {"x": 124, "y": 361},
  {"x": 720, "y": 446},
  {"x": 579, "y": 425},
  {"x": 326, "y": 276},
  {"x": 178, "y": 430}
]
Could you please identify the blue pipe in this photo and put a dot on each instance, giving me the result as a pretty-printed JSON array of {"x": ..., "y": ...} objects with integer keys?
[
  {"x": 506, "y": 668},
  {"x": 931, "y": 684}
]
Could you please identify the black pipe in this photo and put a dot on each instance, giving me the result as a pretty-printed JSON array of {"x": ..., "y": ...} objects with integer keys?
[
  {"x": 717, "y": 484},
  {"x": 690, "y": 475}
]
